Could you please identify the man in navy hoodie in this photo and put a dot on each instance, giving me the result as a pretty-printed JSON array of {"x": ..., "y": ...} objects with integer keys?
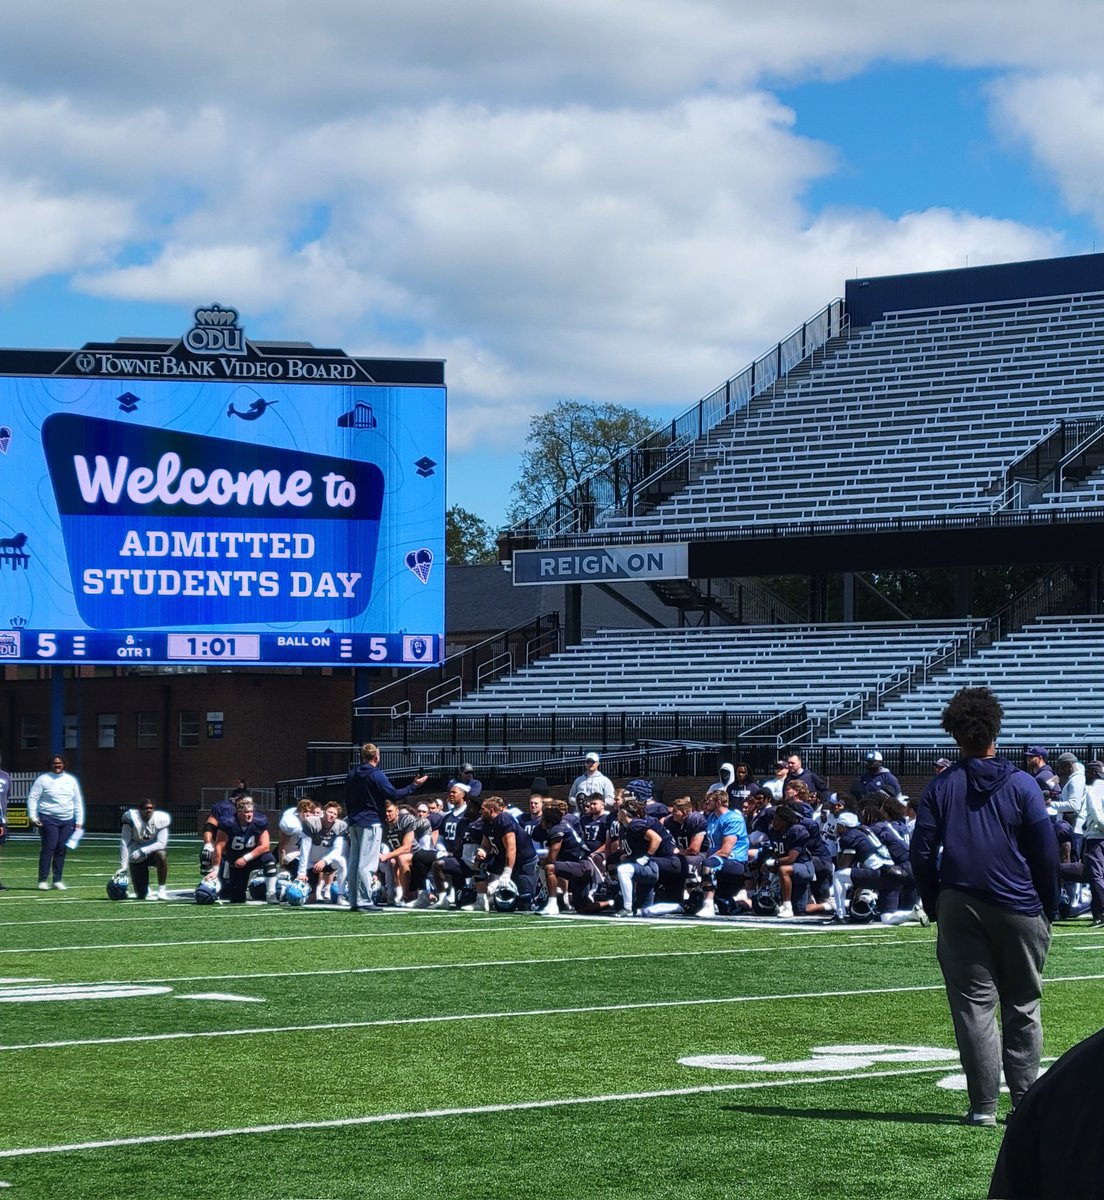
[
  {"x": 367, "y": 794},
  {"x": 994, "y": 892}
]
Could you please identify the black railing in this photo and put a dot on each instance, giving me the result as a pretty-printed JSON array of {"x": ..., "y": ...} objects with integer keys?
[
  {"x": 467, "y": 734},
  {"x": 1043, "y": 467},
  {"x": 1035, "y": 519},
  {"x": 460, "y": 673},
  {"x": 661, "y": 463}
]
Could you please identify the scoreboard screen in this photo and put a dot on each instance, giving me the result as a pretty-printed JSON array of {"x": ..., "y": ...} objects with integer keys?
[{"x": 210, "y": 499}]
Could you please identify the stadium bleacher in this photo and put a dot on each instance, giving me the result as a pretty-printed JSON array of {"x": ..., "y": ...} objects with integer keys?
[
  {"x": 952, "y": 411},
  {"x": 1046, "y": 678},
  {"x": 921, "y": 412},
  {"x": 713, "y": 669}
]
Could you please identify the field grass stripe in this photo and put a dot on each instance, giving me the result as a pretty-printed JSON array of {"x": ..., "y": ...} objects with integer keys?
[
  {"x": 469, "y": 1111},
  {"x": 612, "y": 958},
  {"x": 486, "y": 925},
  {"x": 393, "y": 1022}
]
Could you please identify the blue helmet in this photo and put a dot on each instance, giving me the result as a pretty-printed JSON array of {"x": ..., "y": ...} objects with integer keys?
[
  {"x": 208, "y": 890},
  {"x": 117, "y": 886},
  {"x": 282, "y": 881},
  {"x": 338, "y": 893},
  {"x": 256, "y": 886},
  {"x": 295, "y": 894}
]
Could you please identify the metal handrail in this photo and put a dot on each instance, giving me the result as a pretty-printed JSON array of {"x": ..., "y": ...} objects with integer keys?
[
  {"x": 1078, "y": 450},
  {"x": 616, "y": 486},
  {"x": 493, "y": 667}
]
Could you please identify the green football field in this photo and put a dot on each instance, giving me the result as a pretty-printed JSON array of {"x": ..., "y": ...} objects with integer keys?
[{"x": 163, "y": 1049}]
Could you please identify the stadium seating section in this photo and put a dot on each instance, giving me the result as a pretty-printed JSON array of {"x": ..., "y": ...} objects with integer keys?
[{"x": 920, "y": 413}]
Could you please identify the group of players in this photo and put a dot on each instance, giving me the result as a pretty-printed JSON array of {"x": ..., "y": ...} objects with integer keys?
[
  {"x": 784, "y": 847},
  {"x": 770, "y": 849},
  {"x": 740, "y": 849}
]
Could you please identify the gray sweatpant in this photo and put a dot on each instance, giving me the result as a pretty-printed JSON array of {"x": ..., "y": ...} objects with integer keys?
[{"x": 990, "y": 956}]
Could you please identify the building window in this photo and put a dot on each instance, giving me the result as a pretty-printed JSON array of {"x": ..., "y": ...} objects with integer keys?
[
  {"x": 29, "y": 732},
  {"x": 147, "y": 730},
  {"x": 188, "y": 730},
  {"x": 106, "y": 730},
  {"x": 69, "y": 731}
]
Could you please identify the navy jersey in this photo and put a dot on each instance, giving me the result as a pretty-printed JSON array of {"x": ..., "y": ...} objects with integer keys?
[
  {"x": 495, "y": 832},
  {"x": 892, "y": 840},
  {"x": 529, "y": 822},
  {"x": 242, "y": 838},
  {"x": 866, "y": 846},
  {"x": 797, "y": 838},
  {"x": 686, "y": 830},
  {"x": 596, "y": 831},
  {"x": 469, "y": 838},
  {"x": 571, "y": 848},
  {"x": 764, "y": 822},
  {"x": 436, "y": 820},
  {"x": 446, "y": 832},
  {"x": 634, "y": 838},
  {"x": 817, "y": 846}
]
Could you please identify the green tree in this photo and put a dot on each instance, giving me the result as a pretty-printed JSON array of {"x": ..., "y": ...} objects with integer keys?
[
  {"x": 468, "y": 538},
  {"x": 568, "y": 443}
]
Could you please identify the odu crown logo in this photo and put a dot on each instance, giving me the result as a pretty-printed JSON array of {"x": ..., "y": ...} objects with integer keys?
[{"x": 216, "y": 331}]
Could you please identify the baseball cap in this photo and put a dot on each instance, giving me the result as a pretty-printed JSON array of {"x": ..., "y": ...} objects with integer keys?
[
  {"x": 874, "y": 756},
  {"x": 848, "y": 820},
  {"x": 467, "y": 769},
  {"x": 1067, "y": 758},
  {"x": 1036, "y": 752},
  {"x": 592, "y": 757}
]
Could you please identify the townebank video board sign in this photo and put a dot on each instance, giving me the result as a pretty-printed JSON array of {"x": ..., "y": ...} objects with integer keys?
[{"x": 211, "y": 499}]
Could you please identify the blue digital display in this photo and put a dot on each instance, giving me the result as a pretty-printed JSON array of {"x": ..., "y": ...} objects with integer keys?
[{"x": 274, "y": 515}]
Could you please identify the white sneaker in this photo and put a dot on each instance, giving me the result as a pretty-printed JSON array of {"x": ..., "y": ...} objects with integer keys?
[
  {"x": 707, "y": 909},
  {"x": 551, "y": 909},
  {"x": 60, "y": 887},
  {"x": 785, "y": 910},
  {"x": 342, "y": 901},
  {"x": 162, "y": 893},
  {"x": 44, "y": 886},
  {"x": 421, "y": 900},
  {"x": 919, "y": 915},
  {"x": 442, "y": 902},
  {"x": 151, "y": 895},
  {"x": 481, "y": 904}
]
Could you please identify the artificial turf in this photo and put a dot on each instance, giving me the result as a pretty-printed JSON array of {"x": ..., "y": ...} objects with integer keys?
[{"x": 315, "y": 1053}]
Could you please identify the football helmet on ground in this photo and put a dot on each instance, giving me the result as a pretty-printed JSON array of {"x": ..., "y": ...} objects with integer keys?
[
  {"x": 117, "y": 886},
  {"x": 207, "y": 891}
]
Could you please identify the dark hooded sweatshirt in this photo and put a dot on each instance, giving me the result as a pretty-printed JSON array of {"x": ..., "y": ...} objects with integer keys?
[{"x": 998, "y": 845}]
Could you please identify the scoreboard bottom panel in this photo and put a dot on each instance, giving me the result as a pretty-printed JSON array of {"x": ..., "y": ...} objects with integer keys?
[{"x": 211, "y": 646}]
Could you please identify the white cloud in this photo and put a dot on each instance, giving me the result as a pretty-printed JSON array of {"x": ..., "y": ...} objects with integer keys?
[
  {"x": 1060, "y": 118},
  {"x": 44, "y": 233},
  {"x": 563, "y": 198}
]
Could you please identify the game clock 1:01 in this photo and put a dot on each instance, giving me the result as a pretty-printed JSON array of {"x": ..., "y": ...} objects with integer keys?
[{"x": 244, "y": 647}]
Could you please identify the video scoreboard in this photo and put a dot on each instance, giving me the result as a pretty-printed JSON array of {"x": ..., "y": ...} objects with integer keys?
[{"x": 209, "y": 499}]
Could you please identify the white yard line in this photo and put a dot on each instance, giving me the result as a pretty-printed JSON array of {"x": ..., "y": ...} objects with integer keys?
[
  {"x": 612, "y": 958},
  {"x": 452, "y": 1018},
  {"x": 474, "y": 1110}
]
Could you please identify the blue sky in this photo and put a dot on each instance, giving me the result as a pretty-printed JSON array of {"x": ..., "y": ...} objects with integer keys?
[{"x": 620, "y": 202}]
